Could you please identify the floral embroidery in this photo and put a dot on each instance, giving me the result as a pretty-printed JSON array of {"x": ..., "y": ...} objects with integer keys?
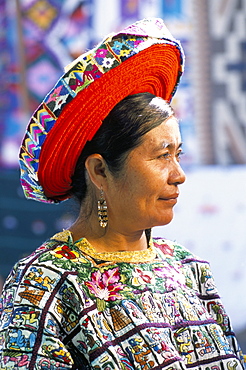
[
  {"x": 105, "y": 285},
  {"x": 107, "y": 62},
  {"x": 142, "y": 277},
  {"x": 101, "y": 53},
  {"x": 66, "y": 252},
  {"x": 64, "y": 256},
  {"x": 165, "y": 248},
  {"x": 171, "y": 277},
  {"x": 125, "y": 52},
  {"x": 116, "y": 47}
]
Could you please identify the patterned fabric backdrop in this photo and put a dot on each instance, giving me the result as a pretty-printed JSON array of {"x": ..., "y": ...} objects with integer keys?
[
  {"x": 40, "y": 38},
  {"x": 228, "y": 48}
]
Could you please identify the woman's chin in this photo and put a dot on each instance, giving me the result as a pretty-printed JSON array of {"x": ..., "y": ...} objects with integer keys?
[{"x": 162, "y": 222}]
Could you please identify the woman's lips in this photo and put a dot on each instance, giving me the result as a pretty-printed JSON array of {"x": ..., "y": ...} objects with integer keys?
[{"x": 172, "y": 199}]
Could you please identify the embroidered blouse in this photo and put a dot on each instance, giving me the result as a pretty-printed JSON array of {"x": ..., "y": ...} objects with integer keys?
[{"x": 68, "y": 307}]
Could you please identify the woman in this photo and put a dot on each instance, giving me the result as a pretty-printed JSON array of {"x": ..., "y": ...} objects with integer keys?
[{"x": 103, "y": 294}]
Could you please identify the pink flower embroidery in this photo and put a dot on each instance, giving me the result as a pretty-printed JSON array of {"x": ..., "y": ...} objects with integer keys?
[
  {"x": 101, "y": 53},
  {"x": 171, "y": 276},
  {"x": 105, "y": 285},
  {"x": 165, "y": 248},
  {"x": 142, "y": 277}
]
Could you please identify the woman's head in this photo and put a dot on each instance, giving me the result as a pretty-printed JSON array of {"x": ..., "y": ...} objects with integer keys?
[
  {"x": 143, "y": 57},
  {"x": 135, "y": 159},
  {"x": 121, "y": 131}
]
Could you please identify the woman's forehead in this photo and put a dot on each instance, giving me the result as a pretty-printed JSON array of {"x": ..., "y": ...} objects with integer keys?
[{"x": 165, "y": 134}]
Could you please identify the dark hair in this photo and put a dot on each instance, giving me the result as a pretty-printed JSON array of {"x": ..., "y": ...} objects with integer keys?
[{"x": 121, "y": 131}]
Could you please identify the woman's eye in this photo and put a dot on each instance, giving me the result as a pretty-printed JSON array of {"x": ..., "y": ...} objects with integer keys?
[
  {"x": 166, "y": 155},
  {"x": 179, "y": 154}
]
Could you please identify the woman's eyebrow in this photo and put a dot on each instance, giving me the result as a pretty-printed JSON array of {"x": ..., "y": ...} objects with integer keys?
[{"x": 168, "y": 145}]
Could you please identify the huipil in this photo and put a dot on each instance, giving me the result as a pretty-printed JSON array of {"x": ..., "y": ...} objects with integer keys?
[{"x": 67, "y": 306}]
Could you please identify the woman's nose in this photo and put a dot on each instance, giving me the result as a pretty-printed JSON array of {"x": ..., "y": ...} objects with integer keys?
[{"x": 177, "y": 175}]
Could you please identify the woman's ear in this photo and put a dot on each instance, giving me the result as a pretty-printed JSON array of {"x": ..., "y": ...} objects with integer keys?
[{"x": 96, "y": 168}]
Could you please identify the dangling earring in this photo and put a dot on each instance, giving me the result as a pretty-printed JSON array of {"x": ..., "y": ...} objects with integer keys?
[{"x": 102, "y": 210}]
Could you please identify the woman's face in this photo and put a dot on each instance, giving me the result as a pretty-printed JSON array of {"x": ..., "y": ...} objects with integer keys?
[{"x": 146, "y": 191}]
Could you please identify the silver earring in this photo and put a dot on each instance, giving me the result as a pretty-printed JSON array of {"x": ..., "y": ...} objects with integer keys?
[{"x": 102, "y": 210}]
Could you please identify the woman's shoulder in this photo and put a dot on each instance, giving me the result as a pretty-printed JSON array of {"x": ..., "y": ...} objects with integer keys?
[
  {"x": 32, "y": 258},
  {"x": 174, "y": 250},
  {"x": 197, "y": 271},
  {"x": 55, "y": 257},
  {"x": 61, "y": 253},
  {"x": 51, "y": 269}
]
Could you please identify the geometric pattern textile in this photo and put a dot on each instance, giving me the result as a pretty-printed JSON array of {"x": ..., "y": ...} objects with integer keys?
[{"x": 228, "y": 40}]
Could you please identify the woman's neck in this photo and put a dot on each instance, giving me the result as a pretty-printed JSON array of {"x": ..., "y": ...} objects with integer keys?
[
  {"x": 114, "y": 242},
  {"x": 108, "y": 239}
]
